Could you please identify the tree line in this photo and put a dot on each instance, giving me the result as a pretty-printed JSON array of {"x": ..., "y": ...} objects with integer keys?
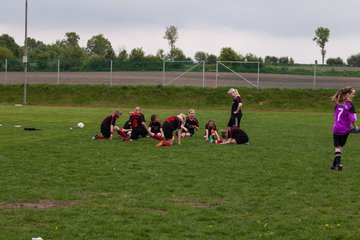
[{"x": 99, "y": 48}]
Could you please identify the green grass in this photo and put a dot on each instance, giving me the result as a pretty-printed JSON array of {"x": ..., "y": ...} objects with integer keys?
[
  {"x": 181, "y": 97},
  {"x": 278, "y": 187}
]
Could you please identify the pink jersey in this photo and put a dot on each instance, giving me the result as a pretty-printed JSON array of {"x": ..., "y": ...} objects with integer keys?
[{"x": 344, "y": 114}]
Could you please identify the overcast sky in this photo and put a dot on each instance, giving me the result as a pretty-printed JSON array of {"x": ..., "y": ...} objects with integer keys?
[{"x": 262, "y": 27}]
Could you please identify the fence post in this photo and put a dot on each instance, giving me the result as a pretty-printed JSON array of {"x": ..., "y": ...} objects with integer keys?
[
  {"x": 217, "y": 73},
  {"x": 314, "y": 75},
  {"x": 6, "y": 63},
  {"x": 203, "y": 74},
  {"x": 58, "y": 72},
  {"x": 163, "y": 80},
  {"x": 257, "y": 79},
  {"x": 111, "y": 69}
]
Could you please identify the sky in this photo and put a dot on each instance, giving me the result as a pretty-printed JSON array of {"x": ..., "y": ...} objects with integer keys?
[{"x": 263, "y": 27}]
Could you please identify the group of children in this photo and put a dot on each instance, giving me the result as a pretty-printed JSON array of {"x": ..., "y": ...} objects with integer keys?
[
  {"x": 344, "y": 117},
  {"x": 184, "y": 126}
]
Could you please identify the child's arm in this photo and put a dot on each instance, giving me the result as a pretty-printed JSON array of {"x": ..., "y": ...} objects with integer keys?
[
  {"x": 227, "y": 141},
  {"x": 162, "y": 132},
  {"x": 217, "y": 135},
  {"x": 206, "y": 134},
  {"x": 179, "y": 136}
]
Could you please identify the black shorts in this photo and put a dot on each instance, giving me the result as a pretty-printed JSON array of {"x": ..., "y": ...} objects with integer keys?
[
  {"x": 340, "y": 140},
  {"x": 105, "y": 132},
  {"x": 135, "y": 133},
  {"x": 190, "y": 130},
  {"x": 234, "y": 120},
  {"x": 168, "y": 131}
]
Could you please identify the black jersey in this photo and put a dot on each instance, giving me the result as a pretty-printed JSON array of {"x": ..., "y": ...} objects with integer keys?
[
  {"x": 155, "y": 127},
  {"x": 173, "y": 123},
  {"x": 136, "y": 120},
  {"x": 238, "y": 134},
  {"x": 191, "y": 123},
  {"x": 109, "y": 120},
  {"x": 235, "y": 105},
  {"x": 127, "y": 124}
]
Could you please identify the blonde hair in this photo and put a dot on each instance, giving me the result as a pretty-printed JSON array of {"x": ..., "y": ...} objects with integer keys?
[
  {"x": 233, "y": 90},
  {"x": 118, "y": 112},
  {"x": 191, "y": 110},
  {"x": 224, "y": 133},
  {"x": 182, "y": 117},
  {"x": 340, "y": 95}
]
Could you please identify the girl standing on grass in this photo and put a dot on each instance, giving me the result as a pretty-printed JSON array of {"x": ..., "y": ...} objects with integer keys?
[
  {"x": 344, "y": 117},
  {"x": 236, "y": 113}
]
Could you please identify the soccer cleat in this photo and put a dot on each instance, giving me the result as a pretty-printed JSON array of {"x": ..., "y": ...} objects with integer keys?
[
  {"x": 333, "y": 167},
  {"x": 160, "y": 144},
  {"x": 339, "y": 166},
  {"x": 94, "y": 137}
]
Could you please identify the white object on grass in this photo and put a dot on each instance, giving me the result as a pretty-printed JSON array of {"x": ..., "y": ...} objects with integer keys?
[{"x": 81, "y": 125}]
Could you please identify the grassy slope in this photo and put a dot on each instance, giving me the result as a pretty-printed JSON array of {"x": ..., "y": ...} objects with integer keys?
[{"x": 183, "y": 97}]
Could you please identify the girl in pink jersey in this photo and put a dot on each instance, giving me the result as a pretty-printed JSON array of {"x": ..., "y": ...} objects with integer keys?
[{"x": 344, "y": 117}]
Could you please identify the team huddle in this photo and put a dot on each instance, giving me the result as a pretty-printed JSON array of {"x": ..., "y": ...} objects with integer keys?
[{"x": 183, "y": 126}]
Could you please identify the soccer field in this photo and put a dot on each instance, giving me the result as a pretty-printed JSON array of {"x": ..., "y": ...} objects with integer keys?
[{"x": 58, "y": 184}]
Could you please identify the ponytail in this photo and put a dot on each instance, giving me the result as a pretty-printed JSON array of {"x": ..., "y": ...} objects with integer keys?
[{"x": 340, "y": 95}]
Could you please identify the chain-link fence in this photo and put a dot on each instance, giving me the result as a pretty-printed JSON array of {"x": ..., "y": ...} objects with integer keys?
[{"x": 176, "y": 73}]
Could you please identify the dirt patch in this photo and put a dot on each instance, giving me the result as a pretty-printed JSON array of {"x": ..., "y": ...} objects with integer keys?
[
  {"x": 184, "y": 201},
  {"x": 41, "y": 204}
]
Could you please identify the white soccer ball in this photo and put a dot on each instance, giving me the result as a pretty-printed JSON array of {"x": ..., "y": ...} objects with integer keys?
[{"x": 81, "y": 125}]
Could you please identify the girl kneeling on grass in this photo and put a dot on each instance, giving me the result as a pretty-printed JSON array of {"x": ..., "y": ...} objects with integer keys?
[
  {"x": 344, "y": 116},
  {"x": 107, "y": 127},
  {"x": 171, "y": 124}
]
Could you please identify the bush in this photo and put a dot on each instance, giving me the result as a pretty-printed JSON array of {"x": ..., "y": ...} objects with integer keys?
[{"x": 354, "y": 60}]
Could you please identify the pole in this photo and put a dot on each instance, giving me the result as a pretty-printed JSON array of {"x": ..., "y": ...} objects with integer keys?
[
  {"x": 163, "y": 81},
  {"x": 203, "y": 74},
  {"x": 217, "y": 73},
  {"x": 25, "y": 60},
  {"x": 111, "y": 69},
  {"x": 6, "y": 66},
  {"x": 314, "y": 75},
  {"x": 258, "y": 76},
  {"x": 58, "y": 72}
]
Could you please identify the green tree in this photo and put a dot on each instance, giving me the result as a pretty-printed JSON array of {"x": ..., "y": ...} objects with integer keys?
[
  {"x": 271, "y": 59},
  {"x": 9, "y": 42},
  {"x": 228, "y": 54},
  {"x": 99, "y": 45},
  {"x": 176, "y": 54},
  {"x": 137, "y": 54},
  {"x": 72, "y": 39},
  {"x": 211, "y": 59},
  {"x": 354, "y": 60},
  {"x": 335, "y": 61},
  {"x": 249, "y": 57},
  {"x": 71, "y": 54},
  {"x": 171, "y": 34},
  {"x": 6, "y": 53},
  {"x": 123, "y": 55},
  {"x": 161, "y": 54},
  {"x": 321, "y": 38},
  {"x": 284, "y": 60},
  {"x": 201, "y": 56}
]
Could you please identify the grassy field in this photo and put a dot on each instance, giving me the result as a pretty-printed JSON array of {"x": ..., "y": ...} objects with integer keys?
[{"x": 58, "y": 184}]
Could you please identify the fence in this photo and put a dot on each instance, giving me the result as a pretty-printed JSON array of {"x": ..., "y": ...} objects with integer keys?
[{"x": 186, "y": 73}]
